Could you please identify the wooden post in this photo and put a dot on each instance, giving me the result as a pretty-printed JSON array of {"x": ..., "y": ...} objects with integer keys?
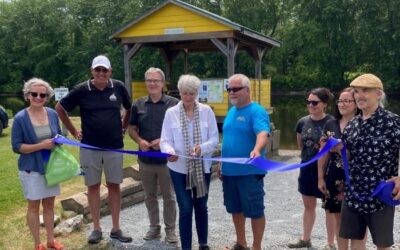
[
  {"x": 231, "y": 49},
  {"x": 168, "y": 56},
  {"x": 129, "y": 51},
  {"x": 185, "y": 61}
]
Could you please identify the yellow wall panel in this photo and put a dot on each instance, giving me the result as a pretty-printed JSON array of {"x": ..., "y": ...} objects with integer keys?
[{"x": 169, "y": 17}]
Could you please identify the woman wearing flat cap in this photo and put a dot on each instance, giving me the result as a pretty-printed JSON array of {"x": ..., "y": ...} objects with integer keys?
[{"x": 372, "y": 141}]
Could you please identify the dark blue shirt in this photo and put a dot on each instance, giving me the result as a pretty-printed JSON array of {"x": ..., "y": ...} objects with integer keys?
[
  {"x": 148, "y": 117},
  {"x": 100, "y": 112},
  {"x": 374, "y": 146}
]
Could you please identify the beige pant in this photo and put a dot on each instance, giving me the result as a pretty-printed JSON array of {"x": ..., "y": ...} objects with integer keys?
[{"x": 151, "y": 175}]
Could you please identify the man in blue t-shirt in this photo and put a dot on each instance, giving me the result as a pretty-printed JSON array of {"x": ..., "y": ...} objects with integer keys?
[{"x": 245, "y": 134}]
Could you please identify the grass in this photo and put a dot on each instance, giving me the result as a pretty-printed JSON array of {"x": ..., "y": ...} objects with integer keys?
[{"x": 14, "y": 233}]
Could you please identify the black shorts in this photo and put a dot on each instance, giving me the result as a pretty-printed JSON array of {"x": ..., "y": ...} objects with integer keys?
[{"x": 354, "y": 225}]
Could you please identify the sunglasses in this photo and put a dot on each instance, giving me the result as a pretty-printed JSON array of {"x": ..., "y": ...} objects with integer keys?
[
  {"x": 312, "y": 103},
  {"x": 234, "y": 90},
  {"x": 100, "y": 69},
  {"x": 36, "y": 94}
]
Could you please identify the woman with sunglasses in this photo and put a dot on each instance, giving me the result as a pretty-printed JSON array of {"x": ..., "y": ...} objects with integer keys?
[
  {"x": 31, "y": 135},
  {"x": 309, "y": 130},
  {"x": 331, "y": 178}
]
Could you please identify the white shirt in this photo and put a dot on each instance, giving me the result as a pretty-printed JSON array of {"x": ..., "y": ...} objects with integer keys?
[{"x": 172, "y": 141}]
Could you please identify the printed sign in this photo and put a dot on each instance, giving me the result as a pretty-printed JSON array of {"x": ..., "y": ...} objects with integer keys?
[{"x": 59, "y": 93}]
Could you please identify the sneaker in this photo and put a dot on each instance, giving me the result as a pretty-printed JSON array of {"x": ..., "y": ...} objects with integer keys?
[
  {"x": 120, "y": 236},
  {"x": 40, "y": 247},
  {"x": 153, "y": 233},
  {"x": 329, "y": 247},
  {"x": 55, "y": 245},
  {"x": 170, "y": 236},
  {"x": 95, "y": 237},
  {"x": 300, "y": 244}
]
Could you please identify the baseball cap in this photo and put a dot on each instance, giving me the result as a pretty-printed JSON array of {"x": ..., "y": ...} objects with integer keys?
[
  {"x": 367, "y": 81},
  {"x": 101, "y": 61}
]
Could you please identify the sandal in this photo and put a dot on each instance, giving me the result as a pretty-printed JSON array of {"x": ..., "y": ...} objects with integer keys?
[
  {"x": 40, "y": 247},
  {"x": 55, "y": 245},
  {"x": 237, "y": 246}
]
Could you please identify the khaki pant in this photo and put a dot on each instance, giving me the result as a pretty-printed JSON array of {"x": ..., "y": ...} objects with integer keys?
[{"x": 151, "y": 175}]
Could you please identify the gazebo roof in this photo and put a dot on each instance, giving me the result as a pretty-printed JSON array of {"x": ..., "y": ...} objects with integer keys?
[{"x": 187, "y": 26}]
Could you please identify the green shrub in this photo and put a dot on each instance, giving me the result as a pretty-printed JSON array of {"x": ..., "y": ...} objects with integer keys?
[
  {"x": 9, "y": 113},
  {"x": 15, "y": 104}
]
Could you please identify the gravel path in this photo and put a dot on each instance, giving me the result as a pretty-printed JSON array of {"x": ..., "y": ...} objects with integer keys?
[{"x": 283, "y": 209}]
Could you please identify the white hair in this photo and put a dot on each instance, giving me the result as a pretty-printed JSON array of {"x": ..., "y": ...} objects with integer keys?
[
  {"x": 37, "y": 82},
  {"x": 189, "y": 83}
]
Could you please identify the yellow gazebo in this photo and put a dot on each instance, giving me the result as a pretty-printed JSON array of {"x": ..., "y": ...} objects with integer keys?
[{"x": 175, "y": 26}]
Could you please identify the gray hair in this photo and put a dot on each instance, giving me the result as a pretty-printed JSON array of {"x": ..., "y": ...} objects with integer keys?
[
  {"x": 155, "y": 70},
  {"x": 189, "y": 83},
  {"x": 382, "y": 100},
  {"x": 37, "y": 82},
  {"x": 244, "y": 80}
]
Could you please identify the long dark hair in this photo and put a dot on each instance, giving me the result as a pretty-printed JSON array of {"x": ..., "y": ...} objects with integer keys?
[
  {"x": 324, "y": 94},
  {"x": 336, "y": 112}
]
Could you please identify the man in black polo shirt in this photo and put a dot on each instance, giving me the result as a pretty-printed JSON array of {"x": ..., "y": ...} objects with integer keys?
[
  {"x": 100, "y": 100},
  {"x": 147, "y": 115}
]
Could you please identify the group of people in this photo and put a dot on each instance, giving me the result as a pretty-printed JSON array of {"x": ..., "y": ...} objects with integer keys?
[
  {"x": 370, "y": 135},
  {"x": 187, "y": 131}
]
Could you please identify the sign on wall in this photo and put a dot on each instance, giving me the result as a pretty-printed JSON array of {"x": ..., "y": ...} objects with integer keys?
[{"x": 212, "y": 90}]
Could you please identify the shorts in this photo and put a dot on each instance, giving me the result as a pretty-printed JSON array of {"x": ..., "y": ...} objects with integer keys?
[
  {"x": 354, "y": 225},
  {"x": 94, "y": 161},
  {"x": 34, "y": 186},
  {"x": 244, "y": 194}
]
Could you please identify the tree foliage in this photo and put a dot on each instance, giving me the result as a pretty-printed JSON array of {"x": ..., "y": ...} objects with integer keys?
[{"x": 325, "y": 43}]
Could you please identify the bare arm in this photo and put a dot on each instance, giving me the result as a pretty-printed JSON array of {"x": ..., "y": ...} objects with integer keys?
[
  {"x": 125, "y": 119},
  {"x": 67, "y": 122},
  {"x": 322, "y": 162},
  {"x": 299, "y": 141},
  {"x": 261, "y": 142},
  {"x": 396, "y": 189}
]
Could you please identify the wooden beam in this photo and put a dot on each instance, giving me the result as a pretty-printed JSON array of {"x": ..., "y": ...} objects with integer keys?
[
  {"x": 178, "y": 37},
  {"x": 220, "y": 45}
]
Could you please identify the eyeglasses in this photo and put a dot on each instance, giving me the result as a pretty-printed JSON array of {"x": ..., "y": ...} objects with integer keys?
[
  {"x": 153, "y": 80},
  {"x": 36, "y": 94},
  {"x": 101, "y": 69},
  {"x": 345, "y": 101},
  {"x": 312, "y": 103},
  {"x": 234, "y": 89}
]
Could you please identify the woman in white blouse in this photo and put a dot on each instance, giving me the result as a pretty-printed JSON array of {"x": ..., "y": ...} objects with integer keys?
[{"x": 190, "y": 129}]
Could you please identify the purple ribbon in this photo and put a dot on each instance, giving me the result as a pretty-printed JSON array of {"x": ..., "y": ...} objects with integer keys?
[{"x": 383, "y": 190}]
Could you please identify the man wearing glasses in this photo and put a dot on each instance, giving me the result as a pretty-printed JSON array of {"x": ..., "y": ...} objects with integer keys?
[
  {"x": 246, "y": 128},
  {"x": 99, "y": 100},
  {"x": 147, "y": 115}
]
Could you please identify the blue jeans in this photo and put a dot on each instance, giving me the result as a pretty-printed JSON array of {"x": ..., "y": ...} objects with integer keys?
[{"x": 186, "y": 202}]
